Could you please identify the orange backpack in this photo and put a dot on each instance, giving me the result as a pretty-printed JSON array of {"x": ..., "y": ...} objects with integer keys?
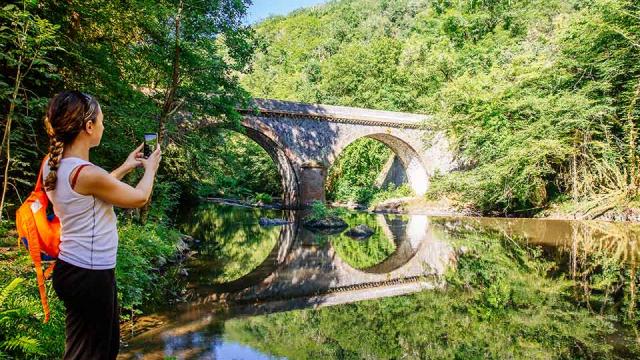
[{"x": 40, "y": 235}]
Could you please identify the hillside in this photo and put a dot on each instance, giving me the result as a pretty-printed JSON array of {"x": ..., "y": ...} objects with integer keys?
[{"x": 538, "y": 97}]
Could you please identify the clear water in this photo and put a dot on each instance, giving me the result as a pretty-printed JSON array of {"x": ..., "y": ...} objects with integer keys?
[{"x": 287, "y": 292}]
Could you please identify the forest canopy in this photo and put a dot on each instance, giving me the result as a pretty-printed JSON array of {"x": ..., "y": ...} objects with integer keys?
[{"x": 539, "y": 98}]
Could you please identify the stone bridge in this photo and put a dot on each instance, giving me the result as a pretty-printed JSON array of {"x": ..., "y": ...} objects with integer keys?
[{"x": 304, "y": 140}]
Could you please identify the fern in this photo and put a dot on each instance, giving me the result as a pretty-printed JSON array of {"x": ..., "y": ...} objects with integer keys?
[
  {"x": 8, "y": 290},
  {"x": 25, "y": 344},
  {"x": 16, "y": 343},
  {"x": 8, "y": 315}
]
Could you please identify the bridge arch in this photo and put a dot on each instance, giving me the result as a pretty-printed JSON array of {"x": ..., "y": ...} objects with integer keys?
[
  {"x": 279, "y": 155},
  {"x": 304, "y": 140},
  {"x": 412, "y": 162}
]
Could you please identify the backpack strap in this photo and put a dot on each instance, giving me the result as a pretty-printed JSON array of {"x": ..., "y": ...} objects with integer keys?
[
  {"x": 75, "y": 176},
  {"x": 34, "y": 252},
  {"x": 39, "y": 181}
]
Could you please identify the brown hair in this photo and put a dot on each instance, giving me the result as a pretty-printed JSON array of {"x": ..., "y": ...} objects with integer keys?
[{"x": 67, "y": 114}]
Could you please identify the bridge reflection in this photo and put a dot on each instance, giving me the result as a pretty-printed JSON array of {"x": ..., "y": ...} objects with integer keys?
[
  {"x": 302, "y": 272},
  {"x": 300, "y": 266}
]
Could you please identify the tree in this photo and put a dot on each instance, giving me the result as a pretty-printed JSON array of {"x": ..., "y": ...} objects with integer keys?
[{"x": 26, "y": 40}]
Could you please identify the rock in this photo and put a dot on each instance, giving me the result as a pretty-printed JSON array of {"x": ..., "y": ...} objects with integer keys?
[
  {"x": 331, "y": 222},
  {"x": 326, "y": 226},
  {"x": 272, "y": 222},
  {"x": 360, "y": 232},
  {"x": 392, "y": 205},
  {"x": 182, "y": 246}
]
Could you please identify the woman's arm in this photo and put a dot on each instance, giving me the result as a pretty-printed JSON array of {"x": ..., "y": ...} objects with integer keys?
[
  {"x": 132, "y": 162},
  {"x": 97, "y": 182},
  {"x": 120, "y": 172}
]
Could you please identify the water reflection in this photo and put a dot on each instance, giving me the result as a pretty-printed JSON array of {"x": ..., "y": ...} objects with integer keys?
[
  {"x": 296, "y": 268},
  {"x": 243, "y": 271},
  {"x": 231, "y": 244},
  {"x": 601, "y": 257},
  {"x": 239, "y": 260},
  {"x": 408, "y": 233}
]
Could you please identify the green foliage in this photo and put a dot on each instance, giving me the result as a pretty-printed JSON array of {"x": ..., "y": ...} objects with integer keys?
[
  {"x": 264, "y": 198},
  {"x": 318, "y": 210},
  {"x": 142, "y": 248},
  {"x": 391, "y": 192},
  {"x": 22, "y": 333},
  {"x": 26, "y": 45},
  {"x": 367, "y": 75},
  {"x": 500, "y": 303},
  {"x": 353, "y": 174},
  {"x": 240, "y": 168},
  {"x": 124, "y": 55}
]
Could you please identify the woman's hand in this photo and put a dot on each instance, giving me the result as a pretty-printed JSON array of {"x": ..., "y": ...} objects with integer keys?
[
  {"x": 133, "y": 160},
  {"x": 153, "y": 161}
]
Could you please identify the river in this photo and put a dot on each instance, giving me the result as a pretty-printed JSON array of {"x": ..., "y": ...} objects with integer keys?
[{"x": 420, "y": 287}]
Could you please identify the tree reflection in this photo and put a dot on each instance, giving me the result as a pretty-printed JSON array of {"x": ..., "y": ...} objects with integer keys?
[
  {"x": 232, "y": 243},
  {"x": 364, "y": 253}
]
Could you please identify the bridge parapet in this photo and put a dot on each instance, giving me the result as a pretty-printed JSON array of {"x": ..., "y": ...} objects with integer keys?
[{"x": 337, "y": 114}]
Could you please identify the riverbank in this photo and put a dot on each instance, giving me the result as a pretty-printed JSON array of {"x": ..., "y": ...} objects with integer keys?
[
  {"x": 628, "y": 211},
  {"x": 567, "y": 210},
  {"x": 149, "y": 272}
]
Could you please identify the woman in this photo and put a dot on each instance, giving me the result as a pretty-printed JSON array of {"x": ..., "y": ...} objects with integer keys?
[{"x": 83, "y": 196}]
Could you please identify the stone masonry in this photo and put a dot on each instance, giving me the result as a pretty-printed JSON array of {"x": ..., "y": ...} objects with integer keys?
[{"x": 304, "y": 140}]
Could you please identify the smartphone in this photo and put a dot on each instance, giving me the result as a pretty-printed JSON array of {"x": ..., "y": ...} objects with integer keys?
[{"x": 150, "y": 143}]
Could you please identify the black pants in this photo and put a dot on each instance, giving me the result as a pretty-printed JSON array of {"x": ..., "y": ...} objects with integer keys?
[{"x": 92, "y": 325}]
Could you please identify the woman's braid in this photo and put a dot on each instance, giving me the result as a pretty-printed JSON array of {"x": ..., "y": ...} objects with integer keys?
[
  {"x": 56, "y": 148},
  {"x": 67, "y": 114}
]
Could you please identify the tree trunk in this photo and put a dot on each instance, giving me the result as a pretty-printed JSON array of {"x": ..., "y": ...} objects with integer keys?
[
  {"x": 167, "y": 107},
  {"x": 633, "y": 138},
  {"x": 7, "y": 132}
]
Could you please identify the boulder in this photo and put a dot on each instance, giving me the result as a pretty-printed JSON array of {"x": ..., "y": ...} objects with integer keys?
[
  {"x": 272, "y": 222},
  {"x": 328, "y": 223},
  {"x": 396, "y": 205},
  {"x": 360, "y": 232}
]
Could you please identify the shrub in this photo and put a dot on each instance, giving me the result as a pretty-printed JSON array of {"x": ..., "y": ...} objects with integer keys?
[
  {"x": 318, "y": 210},
  {"x": 22, "y": 333},
  {"x": 264, "y": 198},
  {"x": 141, "y": 249}
]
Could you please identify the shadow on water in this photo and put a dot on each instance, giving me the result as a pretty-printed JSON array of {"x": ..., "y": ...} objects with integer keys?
[{"x": 243, "y": 270}]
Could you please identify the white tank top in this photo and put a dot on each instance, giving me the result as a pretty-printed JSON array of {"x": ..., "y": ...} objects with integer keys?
[{"x": 89, "y": 236}]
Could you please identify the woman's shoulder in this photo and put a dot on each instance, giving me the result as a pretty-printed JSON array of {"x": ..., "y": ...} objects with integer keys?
[{"x": 74, "y": 160}]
